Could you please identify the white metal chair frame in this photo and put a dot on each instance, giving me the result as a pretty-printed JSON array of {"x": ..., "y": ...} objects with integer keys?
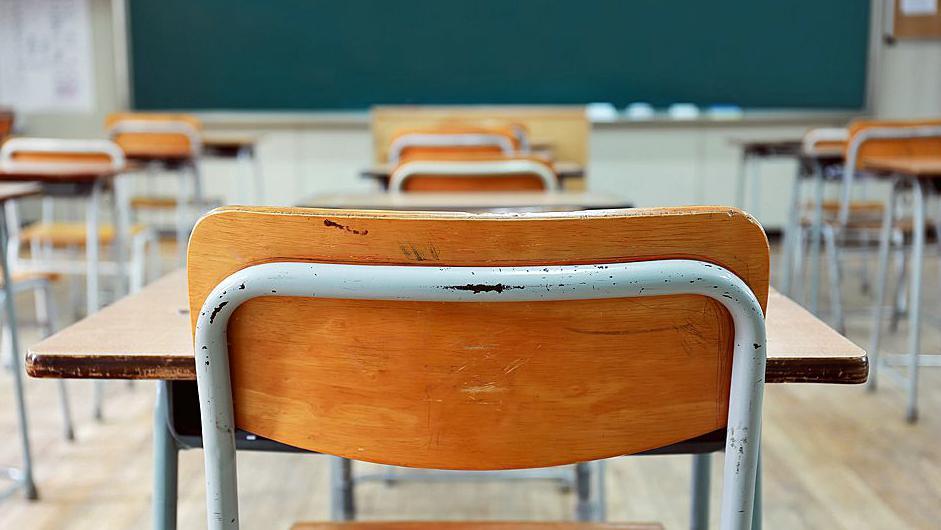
[
  {"x": 794, "y": 233},
  {"x": 406, "y": 283},
  {"x": 477, "y": 168},
  {"x": 185, "y": 220},
  {"x": 448, "y": 140},
  {"x": 92, "y": 266},
  {"x": 136, "y": 273},
  {"x": 920, "y": 196}
]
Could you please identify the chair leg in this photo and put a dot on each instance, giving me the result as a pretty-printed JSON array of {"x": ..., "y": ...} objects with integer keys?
[
  {"x": 901, "y": 285},
  {"x": 833, "y": 262},
  {"x": 343, "y": 501},
  {"x": 885, "y": 236},
  {"x": 46, "y": 314},
  {"x": 583, "y": 491},
  {"x": 699, "y": 507},
  {"x": 166, "y": 464},
  {"x": 138, "y": 268}
]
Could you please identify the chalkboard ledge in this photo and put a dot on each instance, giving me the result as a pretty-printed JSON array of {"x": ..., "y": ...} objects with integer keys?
[{"x": 359, "y": 119}]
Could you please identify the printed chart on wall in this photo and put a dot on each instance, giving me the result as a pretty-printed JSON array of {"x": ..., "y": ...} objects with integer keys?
[{"x": 46, "y": 55}]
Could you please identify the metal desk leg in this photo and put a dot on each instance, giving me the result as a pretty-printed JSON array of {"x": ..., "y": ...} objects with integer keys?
[
  {"x": 583, "y": 492},
  {"x": 91, "y": 275},
  {"x": 816, "y": 234},
  {"x": 601, "y": 491},
  {"x": 342, "y": 500},
  {"x": 699, "y": 507},
  {"x": 914, "y": 328},
  {"x": 881, "y": 279},
  {"x": 165, "y": 464},
  {"x": 26, "y": 478}
]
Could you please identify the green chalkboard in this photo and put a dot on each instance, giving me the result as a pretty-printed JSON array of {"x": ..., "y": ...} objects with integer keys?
[{"x": 350, "y": 54}]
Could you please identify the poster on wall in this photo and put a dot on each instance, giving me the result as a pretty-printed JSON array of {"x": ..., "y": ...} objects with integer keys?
[{"x": 46, "y": 56}]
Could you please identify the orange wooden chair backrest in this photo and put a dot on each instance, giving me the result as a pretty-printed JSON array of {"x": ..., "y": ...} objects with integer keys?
[
  {"x": 512, "y": 181},
  {"x": 477, "y": 385},
  {"x": 414, "y": 152},
  {"x": 894, "y": 147},
  {"x": 61, "y": 151},
  {"x": 6, "y": 123},
  {"x": 155, "y": 145}
]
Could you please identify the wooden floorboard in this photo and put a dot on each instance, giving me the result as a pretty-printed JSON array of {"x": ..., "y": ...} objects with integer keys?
[{"x": 835, "y": 457}]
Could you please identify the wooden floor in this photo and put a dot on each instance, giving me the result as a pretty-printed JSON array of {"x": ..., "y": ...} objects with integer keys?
[{"x": 835, "y": 458}]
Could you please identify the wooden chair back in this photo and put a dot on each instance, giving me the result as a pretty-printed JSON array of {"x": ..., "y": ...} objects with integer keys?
[
  {"x": 473, "y": 173},
  {"x": 894, "y": 147},
  {"x": 6, "y": 123},
  {"x": 563, "y": 129},
  {"x": 478, "y": 385},
  {"x": 452, "y": 141},
  {"x": 61, "y": 151},
  {"x": 155, "y": 136}
]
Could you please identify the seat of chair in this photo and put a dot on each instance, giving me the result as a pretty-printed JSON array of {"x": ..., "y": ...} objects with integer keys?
[
  {"x": 64, "y": 234},
  {"x": 480, "y": 525}
]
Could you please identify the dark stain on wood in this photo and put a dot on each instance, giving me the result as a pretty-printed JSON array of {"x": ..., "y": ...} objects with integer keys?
[{"x": 338, "y": 226}]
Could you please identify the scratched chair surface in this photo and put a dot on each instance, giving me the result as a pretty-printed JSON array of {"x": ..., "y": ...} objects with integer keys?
[{"x": 472, "y": 385}]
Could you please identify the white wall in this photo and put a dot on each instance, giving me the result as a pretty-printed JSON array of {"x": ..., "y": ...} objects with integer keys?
[{"x": 649, "y": 164}]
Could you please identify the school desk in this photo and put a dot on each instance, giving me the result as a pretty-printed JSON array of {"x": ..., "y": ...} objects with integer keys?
[
  {"x": 148, "y": 336},
  {"x": 921, "y": 174},
  {"x": 22, "y": 477},
  {"x": 469, "y": 201},
  {"x": 567, "y": 172}
]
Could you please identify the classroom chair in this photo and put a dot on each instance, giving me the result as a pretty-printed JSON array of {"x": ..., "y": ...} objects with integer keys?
[
  {"x": 473, "y": 173},
  {"x": 519, "y": 342},
  {"x": 863, "y": 220},
  {"x": 452, "y": 139},
  {"x": 170, "y": 142},
  {"x": 48, "y": 236}
]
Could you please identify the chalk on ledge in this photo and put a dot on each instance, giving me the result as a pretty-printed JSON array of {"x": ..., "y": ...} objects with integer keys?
[
  {"x": 640, "y": 111},
  {"x": 683, "y": 111},
  {"x": 601, "y": 112}
]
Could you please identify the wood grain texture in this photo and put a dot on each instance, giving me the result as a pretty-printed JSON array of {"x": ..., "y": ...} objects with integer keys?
[
  {"x": 478, "y": 385},
  {"x": 564, "y": 129},
  {"x": 474, "y": 526},
  {"x": 148, "y": 146}
]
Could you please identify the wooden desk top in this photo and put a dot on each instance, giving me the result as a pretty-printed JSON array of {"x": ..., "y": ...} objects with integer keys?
[
  {"x": 767, "y": 148},
  {"x": 16, "y": 190},
  {"x": 39, "y": 172},
  {"x": 921, "y": 167},
  {"x": 227, "y": 146},
  {"x": 147, "y": 336},
  {"x": 469, "y": 202},
  {"x": 565, "y": 170}
]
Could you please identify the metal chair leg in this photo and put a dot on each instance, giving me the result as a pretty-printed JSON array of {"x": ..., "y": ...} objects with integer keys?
[
  {"x": 701, "y": 479},
  {"x": 47, "y": 315},
  {"x": 900, "y": 307},
  {"x": 583, "y": 489},
  {"x": 343, "y": 500},
  {"x": 888, "y": 215},
  {"x": 165, "y": 464},
  {"x": 833, "y": 262},
  {"x": 914, "y": 328}
]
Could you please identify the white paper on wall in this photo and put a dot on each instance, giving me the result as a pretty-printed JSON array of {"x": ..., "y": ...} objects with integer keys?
[
  {"x": 46, "y": 56},
  {"x": 919, "y": 7}
]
